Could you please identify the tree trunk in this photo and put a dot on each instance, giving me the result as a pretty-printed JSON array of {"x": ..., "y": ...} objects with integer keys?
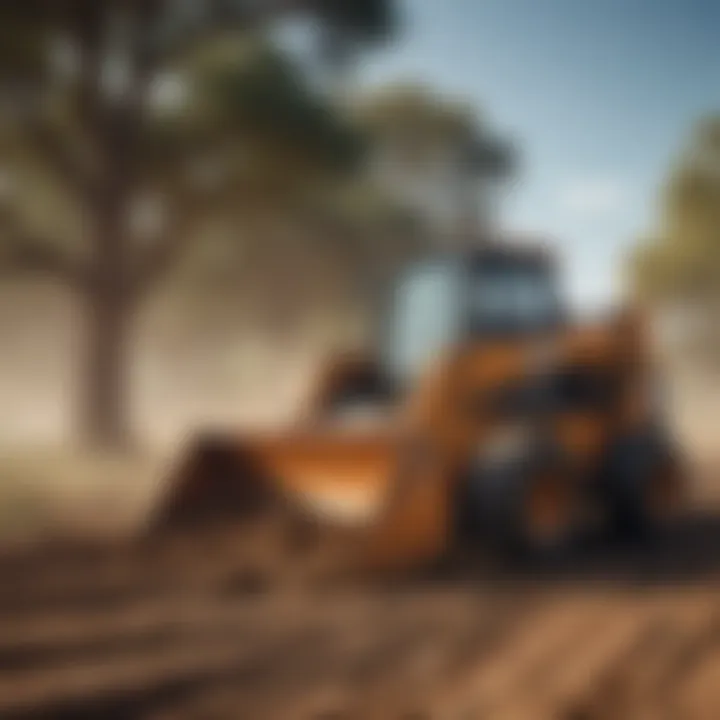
[
  {"x": 106, "y": 381},
  {"x": 109, "y": 309}
]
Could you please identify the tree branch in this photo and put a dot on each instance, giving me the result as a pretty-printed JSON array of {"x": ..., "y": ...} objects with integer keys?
[
  {"x": 156, "y": 262},
  {"x": 25, "y": 253},
  {"x": 35, "y": 257},
  {"x": 58, "y": 153},
  {"x": 86, "y": 28},
  {"x": 227, "y": 15}
]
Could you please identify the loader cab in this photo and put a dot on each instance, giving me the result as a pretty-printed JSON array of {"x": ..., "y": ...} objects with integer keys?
[{"x": 486, "y": 293}]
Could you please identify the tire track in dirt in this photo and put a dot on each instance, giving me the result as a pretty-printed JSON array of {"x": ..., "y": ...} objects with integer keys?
[
  {"x": 141, "y": 680},
  {"x": 572, "y": 674},
  {"x": 481, "y": 686},
  {"x": 357, "y": 665},
  {"x": 408, "y": 689},
  {"x": 67, "y": 637},
  {"x": 112, "y": 576},
  {"x": 696, "y": 681},
  {"x": 642, "y": 684},
  {"x": 201, "y": 627}
]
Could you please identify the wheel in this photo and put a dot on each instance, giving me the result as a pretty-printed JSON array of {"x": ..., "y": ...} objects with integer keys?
[
  {"x": 548, "y": 513},
  {"x": 641, "y": 486},
  {"x": 520, "y": 509}
]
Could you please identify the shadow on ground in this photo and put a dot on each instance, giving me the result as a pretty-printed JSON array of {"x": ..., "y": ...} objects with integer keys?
[{"x": 688, "y": 553}]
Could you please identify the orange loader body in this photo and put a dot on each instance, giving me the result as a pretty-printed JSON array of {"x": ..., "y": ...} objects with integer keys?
[{"x": 391, "y": 483}]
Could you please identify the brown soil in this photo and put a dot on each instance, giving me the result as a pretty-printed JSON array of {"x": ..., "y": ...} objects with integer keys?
[{"x": 218, "y": 624}]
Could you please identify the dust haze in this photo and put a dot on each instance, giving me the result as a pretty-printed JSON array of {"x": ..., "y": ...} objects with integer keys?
[
  {"x": 193, "y": 366},
  {"x": 190, "y": 368},
  {"x": 196, "y": 210}
]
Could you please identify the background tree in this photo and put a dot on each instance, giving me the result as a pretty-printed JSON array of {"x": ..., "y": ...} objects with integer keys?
[
  {"x": 85, "y": 86},
  {"x": 677, "y": 268},
  {"x": 433, "y": 152},
  {"x": 349, "y": 27}
]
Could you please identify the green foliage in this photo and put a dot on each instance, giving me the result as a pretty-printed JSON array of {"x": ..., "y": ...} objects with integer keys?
[
  {"x": 678, "y": 266},
  {"x": 268, "y": 99},
  {"x": 413, "y": 115},
  {"x": 351, "y": 24},
  {"x": 364, "y": 20},
  {"x": 681, "y": 262},
  {"x": 417, "y": 122},
  {"x": 22, "y": 49},
  {"x": 80, "y": 77}
]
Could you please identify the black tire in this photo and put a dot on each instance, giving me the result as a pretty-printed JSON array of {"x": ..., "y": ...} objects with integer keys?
[
  {"x": 494, "y": 512},
  {"x": 632, "y": 465},
  {"x": 555, "y": 538}
]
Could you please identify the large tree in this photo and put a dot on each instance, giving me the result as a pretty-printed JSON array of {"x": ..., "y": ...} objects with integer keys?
[
  {"x": 87, "y": 89},
  {"x": 677, "y": 267},
  {"x": 437, "y": 152},
  {"x": 349, "y": 27}
]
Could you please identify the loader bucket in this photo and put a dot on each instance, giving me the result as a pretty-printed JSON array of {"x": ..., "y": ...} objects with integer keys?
[
  {"x": 332, "y": 481},
  {"x": 216, "y": 478}
]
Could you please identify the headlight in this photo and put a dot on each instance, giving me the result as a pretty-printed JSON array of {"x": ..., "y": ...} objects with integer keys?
[{"x": 505, "y": 443}]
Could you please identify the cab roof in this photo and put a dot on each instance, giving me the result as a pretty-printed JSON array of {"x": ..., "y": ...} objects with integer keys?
[{"x": 508, "y": 250}]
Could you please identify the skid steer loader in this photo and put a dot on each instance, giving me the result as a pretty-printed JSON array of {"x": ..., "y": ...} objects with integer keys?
[{"x": 483, "y": 414}]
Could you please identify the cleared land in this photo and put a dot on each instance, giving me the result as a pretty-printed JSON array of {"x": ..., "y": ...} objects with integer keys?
[
  {"x": 222, "y": 626},
  {"x": 227, "y": 624}
]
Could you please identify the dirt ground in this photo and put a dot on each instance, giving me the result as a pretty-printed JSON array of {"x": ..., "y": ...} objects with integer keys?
[{"x": 218, "y": 625}]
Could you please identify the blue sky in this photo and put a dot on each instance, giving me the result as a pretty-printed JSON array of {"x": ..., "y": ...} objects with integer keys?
[{"x": 600, "y": 96}]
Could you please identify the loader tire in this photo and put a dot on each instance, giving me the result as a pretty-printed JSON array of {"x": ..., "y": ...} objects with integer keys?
[
  {"x": 547, "y": 517},
  {"x": 526, "y": 514},
  {"x": 641, "y": 486}
]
